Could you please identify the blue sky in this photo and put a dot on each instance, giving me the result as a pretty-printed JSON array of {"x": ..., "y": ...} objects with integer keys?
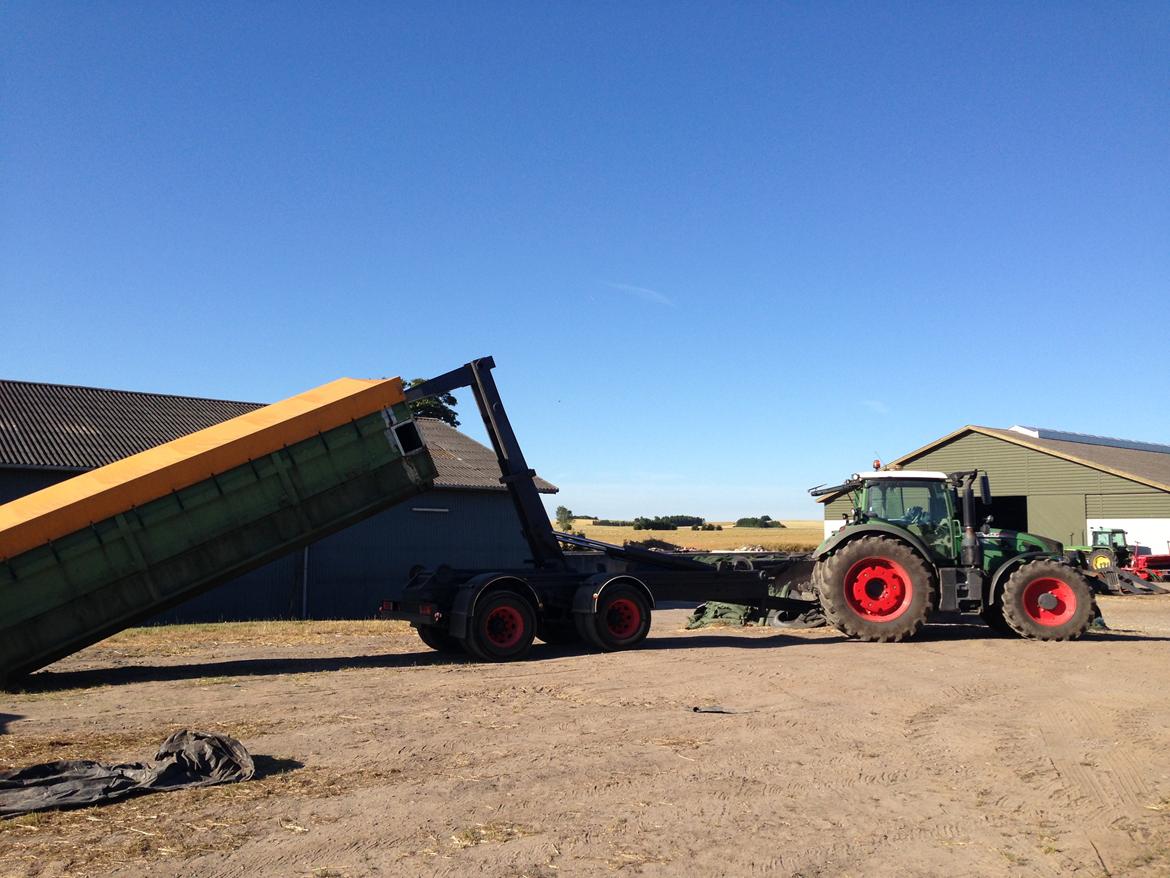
[{"x": 721, "y": 252}]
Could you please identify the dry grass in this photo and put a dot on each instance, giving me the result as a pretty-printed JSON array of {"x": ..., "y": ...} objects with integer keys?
[
  {"x": 123, "y": 745},
  {"x": 178, "y": 640},
  {"x": 795, "y": 536}
]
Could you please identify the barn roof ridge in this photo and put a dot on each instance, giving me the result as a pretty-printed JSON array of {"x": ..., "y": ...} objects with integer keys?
[{"x": 74, "y": 428}]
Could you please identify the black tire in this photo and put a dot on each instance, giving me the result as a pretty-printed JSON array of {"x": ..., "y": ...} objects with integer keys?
[
  {"x": 559, "y": 633},
  {"x": 993, "y": 615},
  {"x": 1101, "y": 559},
  {"x": 502, "y": 627},
  {"x": 622, "y": 620},
  {"x": 438, "y": 640},
  {"x": 876, "y": 589},
  {"x": 1047, "y": 600}
]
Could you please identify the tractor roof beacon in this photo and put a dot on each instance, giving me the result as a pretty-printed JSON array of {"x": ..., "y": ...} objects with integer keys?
[{"x": 912, "y": 547}]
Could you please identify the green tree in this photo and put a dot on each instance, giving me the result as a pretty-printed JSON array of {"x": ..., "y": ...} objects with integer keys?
[
  {"x": 440, "y": 407},
  {"x": 564, "y": 519}
]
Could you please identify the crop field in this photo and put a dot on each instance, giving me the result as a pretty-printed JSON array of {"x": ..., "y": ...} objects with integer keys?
[{"x": 795, "y": 536}]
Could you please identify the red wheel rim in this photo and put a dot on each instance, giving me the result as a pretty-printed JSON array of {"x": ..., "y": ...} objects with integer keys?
[
  {"x": 504, "y": 627},
  {"x": 878, "y": 589},
  {"x": 1056, "y": 613},
  {"x": 623, "y": 618}
]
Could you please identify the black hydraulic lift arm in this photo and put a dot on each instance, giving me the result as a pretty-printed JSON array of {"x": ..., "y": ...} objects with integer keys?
[{"x": 515, "y": 474}]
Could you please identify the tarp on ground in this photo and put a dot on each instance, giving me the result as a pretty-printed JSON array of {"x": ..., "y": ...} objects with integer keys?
[{"x": 185, "y": 759}]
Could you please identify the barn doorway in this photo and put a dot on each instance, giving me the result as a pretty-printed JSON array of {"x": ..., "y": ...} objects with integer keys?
[{"x": 1009, "y": 512}]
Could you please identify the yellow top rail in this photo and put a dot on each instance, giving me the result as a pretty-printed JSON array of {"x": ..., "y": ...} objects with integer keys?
[{"x": 75, "y": 503}]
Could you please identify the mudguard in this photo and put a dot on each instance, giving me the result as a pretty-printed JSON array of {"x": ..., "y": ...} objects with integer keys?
[
  {"x": 870, "y": 529},
  {"x": 589, "y": 593},
  {"x": 469, "y": 593},
  {"x": 1009, "y": 567}
]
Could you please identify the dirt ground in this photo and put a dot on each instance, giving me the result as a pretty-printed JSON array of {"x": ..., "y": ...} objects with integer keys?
[{"x": 960, "y": 753}]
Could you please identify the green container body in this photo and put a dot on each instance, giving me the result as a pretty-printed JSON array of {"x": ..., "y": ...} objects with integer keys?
[{"x": 63, "y": 596}]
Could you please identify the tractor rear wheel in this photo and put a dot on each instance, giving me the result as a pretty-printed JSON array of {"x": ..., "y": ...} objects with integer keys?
[
  {"x": 876, "y": 589},
  {"x": 502, "y": 628},
  {"x": 1047, "y": 600}
]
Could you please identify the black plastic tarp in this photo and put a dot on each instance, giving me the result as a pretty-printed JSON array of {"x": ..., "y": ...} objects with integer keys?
[{"x": 185, "y": 759}]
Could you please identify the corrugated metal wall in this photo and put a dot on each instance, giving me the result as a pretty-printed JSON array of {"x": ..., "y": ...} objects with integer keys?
[
  {"x": 1017, "y": 470},
  {"x": 1063, "y": 493},
  {"x": 351, "y": 572},
  {"x": 1127, "y": 505}
]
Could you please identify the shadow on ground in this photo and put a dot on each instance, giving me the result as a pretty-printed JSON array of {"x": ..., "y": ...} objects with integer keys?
[
  {"x": 270, "y": 766},
  {"x": 49, "y": 681}
]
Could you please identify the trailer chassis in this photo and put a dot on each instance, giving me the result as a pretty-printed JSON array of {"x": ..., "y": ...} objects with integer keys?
[{"x": 495, "y": 614}]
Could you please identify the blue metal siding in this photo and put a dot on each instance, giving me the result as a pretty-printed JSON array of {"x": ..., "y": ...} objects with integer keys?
[
  {"x": 18, "y": 482},
  {"x": 351, "y": 572}
]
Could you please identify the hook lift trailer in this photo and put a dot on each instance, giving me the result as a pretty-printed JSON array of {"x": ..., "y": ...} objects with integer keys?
[
  {"x": 879, "y": 578},
  {"x": 494, "y": 615}
]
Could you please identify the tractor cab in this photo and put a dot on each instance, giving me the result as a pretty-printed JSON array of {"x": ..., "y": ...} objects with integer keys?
[
  {"x": 1112, "y": 538},
  {"x": 923, "y": 503}
]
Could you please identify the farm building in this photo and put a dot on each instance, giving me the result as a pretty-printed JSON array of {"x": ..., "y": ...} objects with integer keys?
[
  {"x": 50, "y": 432},
  {"x": 1057, "y": 484}
]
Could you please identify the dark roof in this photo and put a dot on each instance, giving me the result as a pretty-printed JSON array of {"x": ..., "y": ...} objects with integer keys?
[
  {"x": 64, "y": 427},
  {"x": 1137, "y": 464},
  {"x": 462, "y": 462},
  {"x": 60, "y": 426}
]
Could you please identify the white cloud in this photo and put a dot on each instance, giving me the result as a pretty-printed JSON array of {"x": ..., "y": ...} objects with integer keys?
[
  {"x": 644, "y": 293},
  {"x": 876, "y": 406}
]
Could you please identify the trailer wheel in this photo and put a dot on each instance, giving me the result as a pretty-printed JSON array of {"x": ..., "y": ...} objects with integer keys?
[
  {"x": 1047, "y": 600},
  {"x": 502, "y": 628},
  {"x": 622, "y": 620},
  {"x": 438, "y": 640},
  {"x": 876, "y": 589}
]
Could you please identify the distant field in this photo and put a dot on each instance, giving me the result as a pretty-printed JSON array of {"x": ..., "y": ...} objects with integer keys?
[{"x": 794, "y": 536}]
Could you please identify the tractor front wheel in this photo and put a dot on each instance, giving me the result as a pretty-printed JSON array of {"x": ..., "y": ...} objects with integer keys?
[
  {"x": 1047, "y": 600},
  {"x": 876, "y": 589},
  {"x": 993, "y": 615}
]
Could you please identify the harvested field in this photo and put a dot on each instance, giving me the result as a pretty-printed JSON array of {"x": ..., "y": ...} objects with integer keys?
[
  {"x": 795, "y": 536},
  {"x": 960, "y": 753}
]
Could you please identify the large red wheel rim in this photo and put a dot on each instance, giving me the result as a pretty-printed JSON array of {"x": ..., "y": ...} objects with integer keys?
[
  {"x": 623, "y": 618},
  {"x": 878, "y": 589},
  {"x": 1049, "y": 601},
  {"x": 504, "y": 627}
]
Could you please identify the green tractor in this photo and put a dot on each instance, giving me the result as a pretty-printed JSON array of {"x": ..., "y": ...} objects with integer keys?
[
  {"x": 911, "y": 547},
  {"x": 1109, "y": 549}
]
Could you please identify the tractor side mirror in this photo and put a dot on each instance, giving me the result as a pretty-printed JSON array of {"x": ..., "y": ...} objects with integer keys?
[{"x": 985, "y": 489}]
